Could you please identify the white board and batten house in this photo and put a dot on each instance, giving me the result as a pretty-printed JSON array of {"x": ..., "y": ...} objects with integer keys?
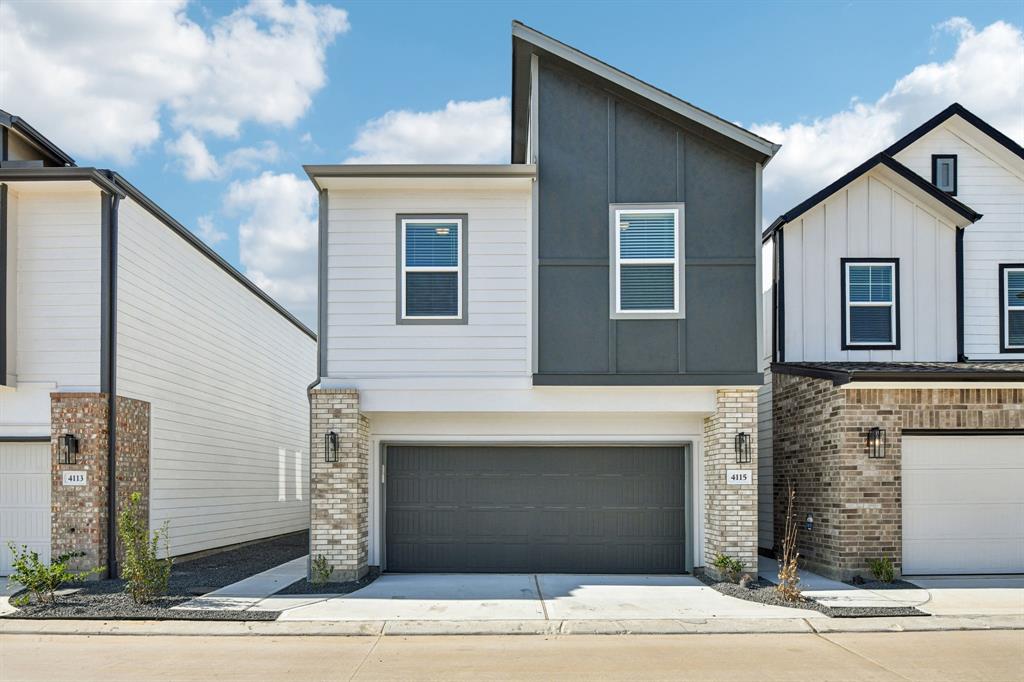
[
  {"x": 105, "y": 293},
  {"x": 897, "y": 357}
]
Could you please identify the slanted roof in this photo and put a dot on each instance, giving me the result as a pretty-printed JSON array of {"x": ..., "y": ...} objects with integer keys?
[
  {"x": 884, "y": 160},
  {"x": 954, "y": 109},
  {"x": 16, "y": 123},
  {"x": 608, "y": 73},
  {"x": 841, "y": 373}
]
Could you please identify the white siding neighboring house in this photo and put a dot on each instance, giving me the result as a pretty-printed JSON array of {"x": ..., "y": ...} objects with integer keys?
[{"x": 223, "y": 368}]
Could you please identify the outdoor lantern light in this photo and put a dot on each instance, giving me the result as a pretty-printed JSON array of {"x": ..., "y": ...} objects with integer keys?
[
  {"x": 331, "y": 446},
  {"x": 68, "y": 449},
  {"x": 809, "y": 522},
  {"x": 742, "y": 446},
  {"x": 876, "y": 443}
]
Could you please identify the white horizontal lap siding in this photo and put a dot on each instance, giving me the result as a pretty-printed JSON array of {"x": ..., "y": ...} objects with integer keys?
[
  {"x": 58, "y": 283},
  {"x": 363, "y": 336},
  {"x": 225, "y": 375},
  {"x": 997, "y": 193},
  {"x": 869, "y": 219}
]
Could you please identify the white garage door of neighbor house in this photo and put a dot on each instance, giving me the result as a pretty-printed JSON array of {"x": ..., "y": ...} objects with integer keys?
[
  {"x": 963, "y": 504},
  {"x": 24, "y": 499}
]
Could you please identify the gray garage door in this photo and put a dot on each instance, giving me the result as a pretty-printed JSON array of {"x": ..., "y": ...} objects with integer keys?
[{"x": 535, "y": 509}]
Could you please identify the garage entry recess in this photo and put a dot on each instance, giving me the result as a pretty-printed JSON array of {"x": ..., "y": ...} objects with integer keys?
[{"x": 536, "y": 509}]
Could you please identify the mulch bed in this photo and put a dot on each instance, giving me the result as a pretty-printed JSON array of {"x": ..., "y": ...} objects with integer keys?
[
  {"x": 305, "y": 587},
  {"x": 763, "y": 592},
  {"x": 106, "y": 600}
]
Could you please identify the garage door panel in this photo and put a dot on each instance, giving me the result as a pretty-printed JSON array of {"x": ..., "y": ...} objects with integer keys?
[
  {"x": 963, "y": 510},
  {"x": 553, "y": 509},
  {"x": 24, "y": 499}
]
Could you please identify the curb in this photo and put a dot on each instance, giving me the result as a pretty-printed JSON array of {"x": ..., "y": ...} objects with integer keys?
[{"x": 506, "y": 627}]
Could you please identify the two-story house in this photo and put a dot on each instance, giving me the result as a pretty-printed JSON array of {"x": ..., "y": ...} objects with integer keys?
[
  {"x": 135, "y": 359},
  {"x": 547, "y": 365},
  {"x": 895, "y": 403}
]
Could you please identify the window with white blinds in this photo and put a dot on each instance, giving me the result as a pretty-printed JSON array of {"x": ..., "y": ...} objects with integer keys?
[
  {"x": 870, "y": 293},
  {"x": 647, "y": 254},
  {"x": 431, "y": 269},
  {"x": 1013, "y": 307}
]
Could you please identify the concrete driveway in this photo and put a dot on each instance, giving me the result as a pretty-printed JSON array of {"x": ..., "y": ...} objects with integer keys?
[
  {"x": 456, "y": 597},
  {"x": 972, "y": 595}
]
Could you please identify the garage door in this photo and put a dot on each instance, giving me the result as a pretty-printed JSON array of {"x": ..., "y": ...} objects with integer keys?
[
  {"x": 963, "y": 506},
  {"x": 24, "y": 499},
  {"x": 535, "y": 509}
]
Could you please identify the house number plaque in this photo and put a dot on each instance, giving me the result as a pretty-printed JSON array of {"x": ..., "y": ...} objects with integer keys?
[
  {"x": 738, "y": 476},
  {"x": 73, "y": 477}
]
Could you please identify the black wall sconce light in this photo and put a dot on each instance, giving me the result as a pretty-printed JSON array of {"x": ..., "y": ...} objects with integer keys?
[
  {"x": 742, "y": 447},
  {"x": 68, "y": 445},
  {"x": 331, "y": 446},
  {"x": 876, "y": 443}
]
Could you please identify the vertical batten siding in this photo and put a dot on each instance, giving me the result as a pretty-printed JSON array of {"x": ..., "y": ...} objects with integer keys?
[
  {"x": 998, "y": 193},
  {"x": 226, "y": 377},
  {"x": 363, "y": 336},
  {"x": 58, "y": 284},
  {"x": 870, "y": 219}
]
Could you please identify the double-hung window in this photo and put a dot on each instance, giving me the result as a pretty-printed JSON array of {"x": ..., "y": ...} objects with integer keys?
[
  {"x": 1011, "y": 295},
  {"x": 870, "y": 304},
  {"x": 647, "y": 251},
  {"x": 432, "y": 269}
]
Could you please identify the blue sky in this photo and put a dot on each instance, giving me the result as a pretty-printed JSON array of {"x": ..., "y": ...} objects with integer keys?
[{"x": 797, "y": 65}]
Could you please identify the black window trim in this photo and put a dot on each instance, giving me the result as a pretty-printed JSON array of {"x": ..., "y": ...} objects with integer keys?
[
  {"x": 1003, "y": 308},
  {"x": 895, "y": 262},
  {"x": 935, "y": 172}
]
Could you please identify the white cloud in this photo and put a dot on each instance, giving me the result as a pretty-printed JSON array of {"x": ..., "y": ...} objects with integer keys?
[
  {"x": 277, "y": 237},
  {"x": 197, "y": 163},
  {"x": 462, "y": 132},
  {"x": 209, "y": 231},
  {"x": 96, "y": 81},
  {"x": 985, "y": 74}
]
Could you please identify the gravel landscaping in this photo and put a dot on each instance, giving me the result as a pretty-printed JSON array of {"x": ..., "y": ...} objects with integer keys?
[
  {"x": 306, "y": 587},
  {"x": 763, "y": 592},
  {"x": 106, "y": 600}
]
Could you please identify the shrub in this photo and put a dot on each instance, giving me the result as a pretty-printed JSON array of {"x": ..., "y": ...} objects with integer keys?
[
  {"x": 789, "y": 579},
  {"x": 321, "y": 570},
  {"x": 145, "y": 574},
  {"x": 43, "y": 580},
  {"x": 882, "y": 569},
  {"x": 728, "y": 566}
]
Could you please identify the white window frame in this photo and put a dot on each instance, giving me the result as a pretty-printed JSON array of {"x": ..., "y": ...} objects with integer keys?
[
  {"x": 677, "y": 311},
  {"x": 894, "y": 318},
  {"x": 433, "y": 268},
  {"x": 1007, "y": 307}
]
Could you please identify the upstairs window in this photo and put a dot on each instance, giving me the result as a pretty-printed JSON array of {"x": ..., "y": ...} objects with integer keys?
[
  {"x": 944, "y": 172},
  {"x": 646, "y": 243},
  {"x": 1011, "y": 294},
  {"x": 871, "y": 304},
  {"x": 432, "y": 269}
]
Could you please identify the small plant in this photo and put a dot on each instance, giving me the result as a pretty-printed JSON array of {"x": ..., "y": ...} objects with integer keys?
[
  {"x": 43, "y": 580},
  {"x": 882, "y": 569},
  {"x": 145, "y": 574},
  {"x": 729, "y": 567},
  {"x": 321, "y": 570},
  {"x": 789, "y": 579}
]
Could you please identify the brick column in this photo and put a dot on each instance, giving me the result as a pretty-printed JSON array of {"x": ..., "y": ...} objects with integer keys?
[
  {"x": 339, "y": 491},
  {"x": 730, "y": 512},
  {"x": 79, "y": 513}
]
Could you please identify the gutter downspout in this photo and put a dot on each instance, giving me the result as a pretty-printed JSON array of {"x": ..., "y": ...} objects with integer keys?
[{"x": 109, "y": 378}]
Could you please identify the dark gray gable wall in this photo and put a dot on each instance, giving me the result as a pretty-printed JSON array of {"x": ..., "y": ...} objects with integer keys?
[{"x": 596, "y": 147}]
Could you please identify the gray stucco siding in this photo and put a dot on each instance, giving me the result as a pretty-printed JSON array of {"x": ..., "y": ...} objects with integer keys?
[{"x": 597, "y": 148}]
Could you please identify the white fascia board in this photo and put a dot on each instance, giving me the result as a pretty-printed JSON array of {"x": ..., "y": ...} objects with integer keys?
[
  {"x": 425, "y": 176},
  {"x": 645, "y": 90}
]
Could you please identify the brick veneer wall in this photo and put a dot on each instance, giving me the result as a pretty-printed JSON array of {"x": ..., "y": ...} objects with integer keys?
[
  {"x": 339, "y": 491},
  {"x": 821, "y": 446},
  {"x": 730, "y": 513},
  {"x": 79, "y": 514}
]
